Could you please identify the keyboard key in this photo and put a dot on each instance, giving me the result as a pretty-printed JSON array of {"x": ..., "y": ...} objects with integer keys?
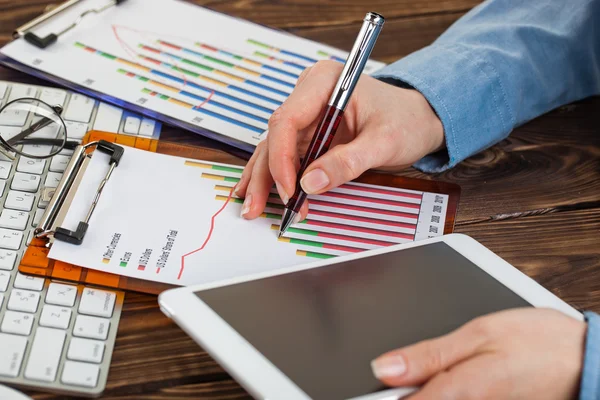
[
  {"x": 76, "y": 130},
  {"x": 29, "y": 282},
  {"x": 7, "y": 259},
  {"x": 39, "y": 213},
  {"x": 132, "y": 125},
  {"x": 46, "y": 132},
  {"x": 5, "y": 167},
  {"x": 91, "y": 327},
  {"x": 86, "y": 350},
  {"x": 45, "y": 354},
  {"x": 4, "y": 280},
  {"x": 2, "y": 185},
  {"x": 80, "y": 108},
  {"x": 25, "y": 182},
  {"x": 1, "y": 299},
  {"x": 53, "y": 97},
  {"x": 31, "y": 165},
  {"x": 10, "y": 240},
  {"x": 99, "y": 303},
  {"x": 59, "y": 163},
  {"x": 108, "y": 118},
  {"x": 17, "y": 322},
  {"x": 61, "y": 294},
  {"x": 13, "y": 219},
  {"x": 147, "y": 127},
  {"x": 80, "y": 374},
  {"x": 23, "y": 300},
  {"x": 37, "y": 149},
  {"x": 20, "y": 91},
  {"x": 29, "y": 237},
  {"x": 3, "y": 87},
  {"x": 12, "y": 349},
  {"x": 55, "y": 317},
  {"x": 19, "y": 200},
  {"x": 53, "y": 179}
]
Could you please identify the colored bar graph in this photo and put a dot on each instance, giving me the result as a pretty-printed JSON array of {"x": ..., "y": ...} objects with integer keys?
[
  {"x": 320, "y": 245},
  {"x": 279, "y": 60},
  {"x": 212, "y": 80},
  {"x": 217, "y": 71},
  {"x": 281, "y": 51},
  {"x": 177, "y": 79},
  {"x": 335, "y": 236},
  {"x": 220, "y": 178},
  {"x": 202, "y": 110},
  {"x": 201, "y": 99},
  {"x": 247, "y": 60},
  {"x": 312, "y": 254},
  {"x": 225, "y": 63}
]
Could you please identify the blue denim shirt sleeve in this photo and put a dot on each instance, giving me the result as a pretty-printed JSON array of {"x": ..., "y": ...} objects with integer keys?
[
  {"x": 501, "y": 65},
  {"x": 590, "y": 379}
]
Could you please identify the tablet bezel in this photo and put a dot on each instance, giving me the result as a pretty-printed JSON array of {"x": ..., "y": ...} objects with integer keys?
[{"x": 261, "y": 378}]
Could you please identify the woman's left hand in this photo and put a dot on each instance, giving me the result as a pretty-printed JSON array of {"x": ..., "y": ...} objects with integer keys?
[{"x": 516, "y": 354}]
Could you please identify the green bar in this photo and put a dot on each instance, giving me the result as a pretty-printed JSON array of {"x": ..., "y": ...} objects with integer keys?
[
  {"x": 228, "y": 169},
  {"x": 237, "y": 57},
  {"x": 273, "y": 216},
  {"x": 146, "y": 91},
  {"x": 109, "y": 56},
  {"x": 236, "y": 200},
  {"x": 143, "y": 78},
  {"x": 195, "y": 64},
  {"x": 121, "y": 71},
  {"x": 322, "y": 53},
  {"x": 258, "y": 53},
  {"x": 185, "y": 71},
  {"x": 303, "y": 231},
  {"x": 318, "y": 255},
  {"x": 80, "y": 45},
  {"x": 162, "y": 96},
  {"x": 305, "y": 242},
  {"x": 273, "y": 205},
  {"x": 252, "y": 41},
  {"x": 216, "y": 60},
  {"x": 123, "y": 264},
  {"x": 230, "y": 179}
]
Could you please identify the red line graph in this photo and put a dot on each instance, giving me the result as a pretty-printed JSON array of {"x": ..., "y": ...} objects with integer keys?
[{"x": 209, "y": 235}]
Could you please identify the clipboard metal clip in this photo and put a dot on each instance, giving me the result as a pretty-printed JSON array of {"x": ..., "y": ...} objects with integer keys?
[
  {"x": 61, "y": 198},
  {"x": 43, "y": 42}
]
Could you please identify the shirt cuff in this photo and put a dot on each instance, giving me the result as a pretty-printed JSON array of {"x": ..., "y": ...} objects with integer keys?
[
  {"x": 466, "y": 93},
  {"x": 590, "y": 377}
]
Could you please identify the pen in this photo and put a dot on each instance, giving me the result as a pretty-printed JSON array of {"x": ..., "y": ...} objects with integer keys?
[{"x": 332, "y": 116}]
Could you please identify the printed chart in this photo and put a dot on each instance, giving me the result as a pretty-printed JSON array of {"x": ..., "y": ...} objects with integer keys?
[
  {"x": 187, "y": 65},
  {"x": 183, "y": 225}
]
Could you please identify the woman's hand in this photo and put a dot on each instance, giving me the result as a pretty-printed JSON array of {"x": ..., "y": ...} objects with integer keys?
[
  {"x": 517, "y": 354},
  {"x": 383, "y": 126}
]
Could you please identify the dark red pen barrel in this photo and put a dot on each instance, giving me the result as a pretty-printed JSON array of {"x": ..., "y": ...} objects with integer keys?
[{"x": 318, "y": 146}]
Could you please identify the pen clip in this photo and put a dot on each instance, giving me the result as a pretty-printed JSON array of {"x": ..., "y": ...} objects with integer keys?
[{"x": 353, "y": 67}]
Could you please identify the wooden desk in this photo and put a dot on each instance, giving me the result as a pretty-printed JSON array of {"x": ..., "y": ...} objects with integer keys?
[{"x": 534, "y": 198}]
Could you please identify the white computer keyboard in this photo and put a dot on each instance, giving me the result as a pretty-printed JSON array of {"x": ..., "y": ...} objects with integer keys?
[{"x": 54, "y": 336}]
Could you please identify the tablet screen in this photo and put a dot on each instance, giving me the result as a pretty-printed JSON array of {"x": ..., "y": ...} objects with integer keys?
[{"x": 322, "y": 327}]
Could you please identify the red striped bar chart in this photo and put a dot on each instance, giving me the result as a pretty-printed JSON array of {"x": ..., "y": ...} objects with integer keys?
[{"x": 351, "y": 218}]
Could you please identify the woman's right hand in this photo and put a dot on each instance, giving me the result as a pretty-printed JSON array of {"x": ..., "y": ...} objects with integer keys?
[{"x": 384, "y": 127}]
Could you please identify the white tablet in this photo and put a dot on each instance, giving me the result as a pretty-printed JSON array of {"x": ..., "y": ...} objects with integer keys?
[{"x": 310, "y": 332}]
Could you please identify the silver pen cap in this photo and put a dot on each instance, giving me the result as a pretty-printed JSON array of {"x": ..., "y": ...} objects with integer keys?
[{"x": 355, "y": 63}]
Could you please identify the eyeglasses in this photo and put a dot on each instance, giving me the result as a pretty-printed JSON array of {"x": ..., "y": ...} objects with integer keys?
[{"x": 33, "y": 129}]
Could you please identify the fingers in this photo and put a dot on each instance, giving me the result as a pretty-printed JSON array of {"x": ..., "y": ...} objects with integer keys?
[
  {"x": 416, "y": 364},
  {"x": 259, "y": 186},
  {"x": 242, "y": 186},
  {"x": 341, "y": 164},
  {"x": 301, "y": 109}
]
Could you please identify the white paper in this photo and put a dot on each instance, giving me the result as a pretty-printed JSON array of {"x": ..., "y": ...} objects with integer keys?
[
  {"x": 144, "y": 50},
  {"x": 157, "y": 208}
]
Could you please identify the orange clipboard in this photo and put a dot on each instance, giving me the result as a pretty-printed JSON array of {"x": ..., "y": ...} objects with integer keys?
[{"x": 35, "y": 261}]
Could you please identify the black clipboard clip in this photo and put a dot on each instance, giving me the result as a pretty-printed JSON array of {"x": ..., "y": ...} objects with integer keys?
[
  {"x": 59, "y": 200},
  {"x": 25, "y": 31}
]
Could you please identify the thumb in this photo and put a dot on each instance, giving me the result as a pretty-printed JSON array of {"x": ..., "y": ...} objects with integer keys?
[
  {"x": 416, "y": 364},
  {"x": 339, "y": 165}
]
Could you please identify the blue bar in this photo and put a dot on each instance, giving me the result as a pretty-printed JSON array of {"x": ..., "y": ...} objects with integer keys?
[
  {"x": 225, "y": 95},
  {"x": 230, "y": 120},
  {"x": 270, "y": 78},
  {"x": 225, "y": 106},
  {"x": 289, "y": 53},
  {"x": 291, "y": 64},
  {"x": 265, "y": 87},
  {"x": 281, "y": 71},
  {"x": 260, "y": 96}
]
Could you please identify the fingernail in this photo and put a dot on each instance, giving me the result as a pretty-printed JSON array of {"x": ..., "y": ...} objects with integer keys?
[
  {"x": 247, "y": 204},
  {"x": 314, "y": 181},
  {"x": 284, "y": 196},
  {"x": 388, "y": 367}
]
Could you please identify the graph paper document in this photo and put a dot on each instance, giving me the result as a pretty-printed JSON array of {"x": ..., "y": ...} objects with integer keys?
[
  {"x": 176, "y": 221},
  {"x": 175, "y": 61}
]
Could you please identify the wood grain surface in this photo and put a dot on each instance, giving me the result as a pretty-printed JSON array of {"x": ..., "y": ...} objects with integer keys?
[{"x": 534, "y": 198}]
